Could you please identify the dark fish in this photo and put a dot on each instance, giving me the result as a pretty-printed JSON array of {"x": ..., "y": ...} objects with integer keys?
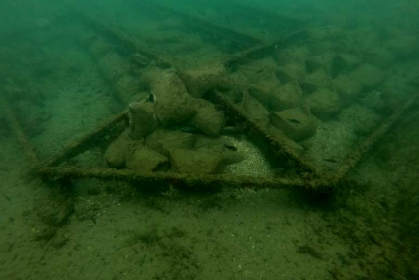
[
  {"x": 330, "y": 160},
  {"x": 203, "y": 13},
  {"x": 189, "y": 129},
  {"x": 230, "y": 147},
  {"x": 184, "y": 128},
  {"x": 5, "y": 196},
  {"x": 151, "y": 98},
  {"x": 278, "y": 170},
  {"x": 245, "y": 101},
  {"x": 294, "y": 120}
]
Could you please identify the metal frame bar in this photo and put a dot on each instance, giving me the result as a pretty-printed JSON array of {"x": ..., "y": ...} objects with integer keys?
[
  {"x": 276, "y": 145},
  {"x": 205, "y": 27},
  {"x": 357, "y": 154},
  {"x": 82, "y": 144},
  {"x": 17, "y": 130},
  {"x": 193, "y": 181}
]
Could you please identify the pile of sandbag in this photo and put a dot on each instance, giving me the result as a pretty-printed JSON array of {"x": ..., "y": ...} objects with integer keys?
[{"x": 171, "y": 130}]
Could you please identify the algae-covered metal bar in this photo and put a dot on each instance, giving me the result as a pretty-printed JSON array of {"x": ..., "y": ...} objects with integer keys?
[
  {"x": 17, "y": 130},
  {"x": 132, "y": 44},
  {"x": 78, "y": 146},
  {"x": 357, "y": 154},
  {"x": 177, "y": 179},
  {"x": 278, "y": 147},
  {"x": 275, "y": 22},
  {"x": 205, "y": 27}
]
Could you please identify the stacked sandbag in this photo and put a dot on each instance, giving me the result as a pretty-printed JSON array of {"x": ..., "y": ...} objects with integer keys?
[
  {"x": 369, "y": 76},
  {"x": 165, "y": 140},
  {"x": 222, "y": 145},
  {"x": 195, "y": 162},
  {"x": 155, "y": 140},
  {"x": 315, "y": 81},
  {"x": 255, "y": 109},
  {"x": 324, "y": 103},
  {"x": 120, "y": 149},
  {"x": 173, "y": 102},
  {"x": 207, "y": 119},
  {"x": 113, "y": 66},
  {"x": 204, "y": 78},
  {"x": 349, "y": 89},
  {"x": 294, "y": 123},
  {"x": 279, "y": 98},
  {"x": 209, "y": 156},
  {"x": 129, "y": 88},
  {"x": 146, "y": 159},
  {"x": 142, "y": 119},
  {"x": 116, "y": 68},
  {"x": 292, "y": 72}
]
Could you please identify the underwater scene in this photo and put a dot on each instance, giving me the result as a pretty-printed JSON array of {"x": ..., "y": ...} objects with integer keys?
[{"x": 209, "y": 139}]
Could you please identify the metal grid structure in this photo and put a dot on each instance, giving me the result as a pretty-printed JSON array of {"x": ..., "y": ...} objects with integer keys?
[{"x": 308, "y": 178}]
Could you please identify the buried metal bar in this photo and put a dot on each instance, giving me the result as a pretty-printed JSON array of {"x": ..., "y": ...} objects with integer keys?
[
  {"x": 279, "y": 147},
  {"x": 133, "y": 44},
  {"x": 17, "y": 130},
  {"x": 205, "y": 27},
  {"x": 245, "y": 54},
  {"x": 272, "y": 22},
  {"x": 82, "y": 144},
  {"x": 252, "y": 44},
  {"x": 260, "y": 50},
  {"x": 178, "y": 179},
  {"x": 357, "y": 154}
]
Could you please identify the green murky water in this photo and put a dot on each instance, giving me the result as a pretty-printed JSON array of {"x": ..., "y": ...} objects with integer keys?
[{"x": 321, "y": 94}]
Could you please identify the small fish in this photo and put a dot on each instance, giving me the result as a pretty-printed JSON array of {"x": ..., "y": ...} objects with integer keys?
[
  {"x": 202, "y": 12},
  {"x": 245, "y": 101},
  {"x": 5, "y": 196},
  {"x": 189, "y": 129},
  {"x": 294, "y": 120},
  {"x": 151, "y": 98},
  {"x": 183, "y": 128},
  {"x": 278, "y": 171},
  {"x": 330, "y": 160},
  {"x": 230, "y": 147}
]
